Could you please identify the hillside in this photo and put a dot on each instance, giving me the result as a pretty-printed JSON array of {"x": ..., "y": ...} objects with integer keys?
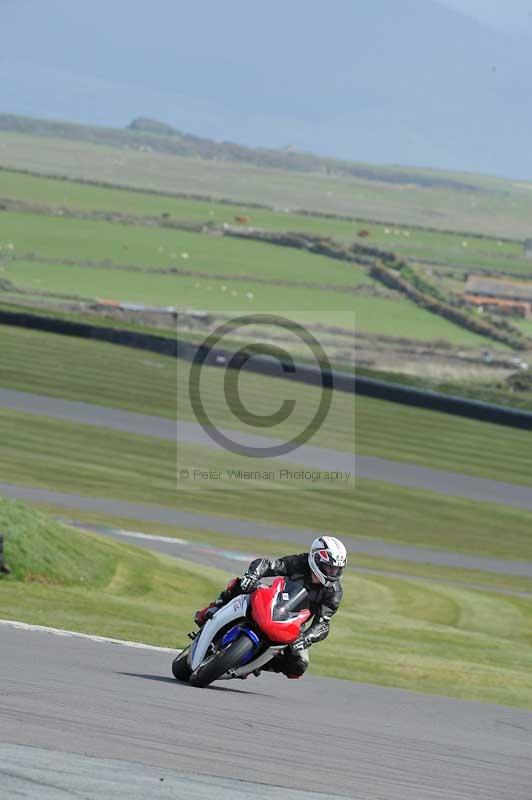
[
  {"x": 148, "y": 135},
  {"x": 179, "y": 164}
]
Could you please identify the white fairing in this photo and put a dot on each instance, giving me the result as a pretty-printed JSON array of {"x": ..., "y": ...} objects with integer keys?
[{"x": 234, "y": 610}]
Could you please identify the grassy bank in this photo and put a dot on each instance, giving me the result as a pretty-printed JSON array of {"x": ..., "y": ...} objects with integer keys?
[
  {"x": 390, "y": 631},
  {"x": 64, "y": 578}
]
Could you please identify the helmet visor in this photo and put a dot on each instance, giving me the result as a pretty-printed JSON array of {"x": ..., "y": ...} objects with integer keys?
[{"x": 330, "y": 571}]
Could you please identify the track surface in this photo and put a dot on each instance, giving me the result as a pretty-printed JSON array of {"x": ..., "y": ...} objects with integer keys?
[
  {"x": 407, "y": 475},
  {"x": 237, "y": 527},
  {"x": 317, "y": 735}
]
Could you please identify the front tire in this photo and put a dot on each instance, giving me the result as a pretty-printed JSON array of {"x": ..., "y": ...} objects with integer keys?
[
  {"x": 218, "y": 664},
  {"x": 180, "y": 666}
]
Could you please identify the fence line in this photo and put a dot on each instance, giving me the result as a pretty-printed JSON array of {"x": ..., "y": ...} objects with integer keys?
[{"x": 343, "y": 382}]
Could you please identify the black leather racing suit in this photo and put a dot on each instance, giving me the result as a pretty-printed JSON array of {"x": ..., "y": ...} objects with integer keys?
[{"x": 323, "y": 603}]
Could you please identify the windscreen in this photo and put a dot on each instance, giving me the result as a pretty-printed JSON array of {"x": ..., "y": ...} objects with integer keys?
[{"x": 290, "y": 601}]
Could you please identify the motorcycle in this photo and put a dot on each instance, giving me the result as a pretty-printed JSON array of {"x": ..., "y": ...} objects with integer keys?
[{"x": 244, "y": 635}]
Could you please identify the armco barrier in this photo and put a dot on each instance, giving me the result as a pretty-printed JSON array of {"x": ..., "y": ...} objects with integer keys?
[
  {"x": 343, "y": 382},
  {"x": 140, "y": 341}
]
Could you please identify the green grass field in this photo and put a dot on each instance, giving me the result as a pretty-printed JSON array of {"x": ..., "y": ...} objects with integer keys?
[
  {"x": 494, "y": 206},
  {"x": 79, "y": 239},
  {"x": 218, "y": 258},
  {"x": 374, "y": 315},
  {"x": 390, "y": 631},
  {"x": 414, "y": 243},
  {"x": 525, "y": 325}
]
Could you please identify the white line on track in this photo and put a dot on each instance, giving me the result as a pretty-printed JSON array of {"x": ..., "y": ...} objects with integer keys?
[
  {"x": 229, "y": 554},
  {"x": 148, "y": 536},
  {"x": 12, "y": 623}
]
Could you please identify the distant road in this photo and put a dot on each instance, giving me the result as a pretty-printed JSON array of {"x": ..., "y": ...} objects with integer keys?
[{"x": 378, "y": 469}]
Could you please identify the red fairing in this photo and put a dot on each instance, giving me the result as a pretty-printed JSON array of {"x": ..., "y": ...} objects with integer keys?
[{"x": 262, "y": 603}]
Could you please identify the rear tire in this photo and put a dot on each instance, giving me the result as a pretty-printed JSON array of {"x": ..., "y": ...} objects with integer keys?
[
  {"x": 180, "y": 666},
  {"x": 218, "y": 665}
]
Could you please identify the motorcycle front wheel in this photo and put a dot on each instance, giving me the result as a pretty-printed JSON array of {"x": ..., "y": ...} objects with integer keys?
[
  {"x": 180, "y": 667},
  {"x": 217, "y": 665}
]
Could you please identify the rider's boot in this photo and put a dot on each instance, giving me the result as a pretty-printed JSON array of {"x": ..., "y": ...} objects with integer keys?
[{"x": 204, "y": 614}]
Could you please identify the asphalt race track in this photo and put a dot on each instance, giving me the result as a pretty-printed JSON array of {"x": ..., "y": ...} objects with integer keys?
[
  {"x": 107, "y": 705},
  {"x": 401, "y": 474}
]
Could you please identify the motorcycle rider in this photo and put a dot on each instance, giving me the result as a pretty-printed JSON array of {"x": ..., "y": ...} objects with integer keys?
[{"x": 319, "y": 571}]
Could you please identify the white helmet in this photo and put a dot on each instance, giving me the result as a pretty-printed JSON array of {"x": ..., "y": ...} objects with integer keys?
[{"x": 327, "y": 559}]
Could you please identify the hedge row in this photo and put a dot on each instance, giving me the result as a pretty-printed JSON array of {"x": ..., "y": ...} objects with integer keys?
[
  {"x": 425, "y": 287},
  {"x": 397, "y": 274},
  {"x": 321, "y": 245},
  {"x": 395, "y": 280},
  {"x": 400, "y": 277}
]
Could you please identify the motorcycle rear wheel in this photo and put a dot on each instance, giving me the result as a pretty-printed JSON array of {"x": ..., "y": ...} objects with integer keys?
[{"x": 217, "y": 665}]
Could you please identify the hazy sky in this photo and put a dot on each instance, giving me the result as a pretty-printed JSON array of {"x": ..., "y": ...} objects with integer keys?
[
  {"x": 514, "y": 16},
  {"x": 386, "y": 81}
]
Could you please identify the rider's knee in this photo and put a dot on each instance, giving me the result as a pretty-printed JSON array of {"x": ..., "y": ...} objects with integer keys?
[{"x": 296, "y": 668}]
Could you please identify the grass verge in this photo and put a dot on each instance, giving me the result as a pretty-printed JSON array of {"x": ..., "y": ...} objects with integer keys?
[{"x": 64, "y": 578}]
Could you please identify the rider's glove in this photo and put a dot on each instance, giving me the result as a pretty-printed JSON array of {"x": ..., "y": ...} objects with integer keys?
[
  {"x": 300, "y": 644},
  {"x": 248, "y": 583}
]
